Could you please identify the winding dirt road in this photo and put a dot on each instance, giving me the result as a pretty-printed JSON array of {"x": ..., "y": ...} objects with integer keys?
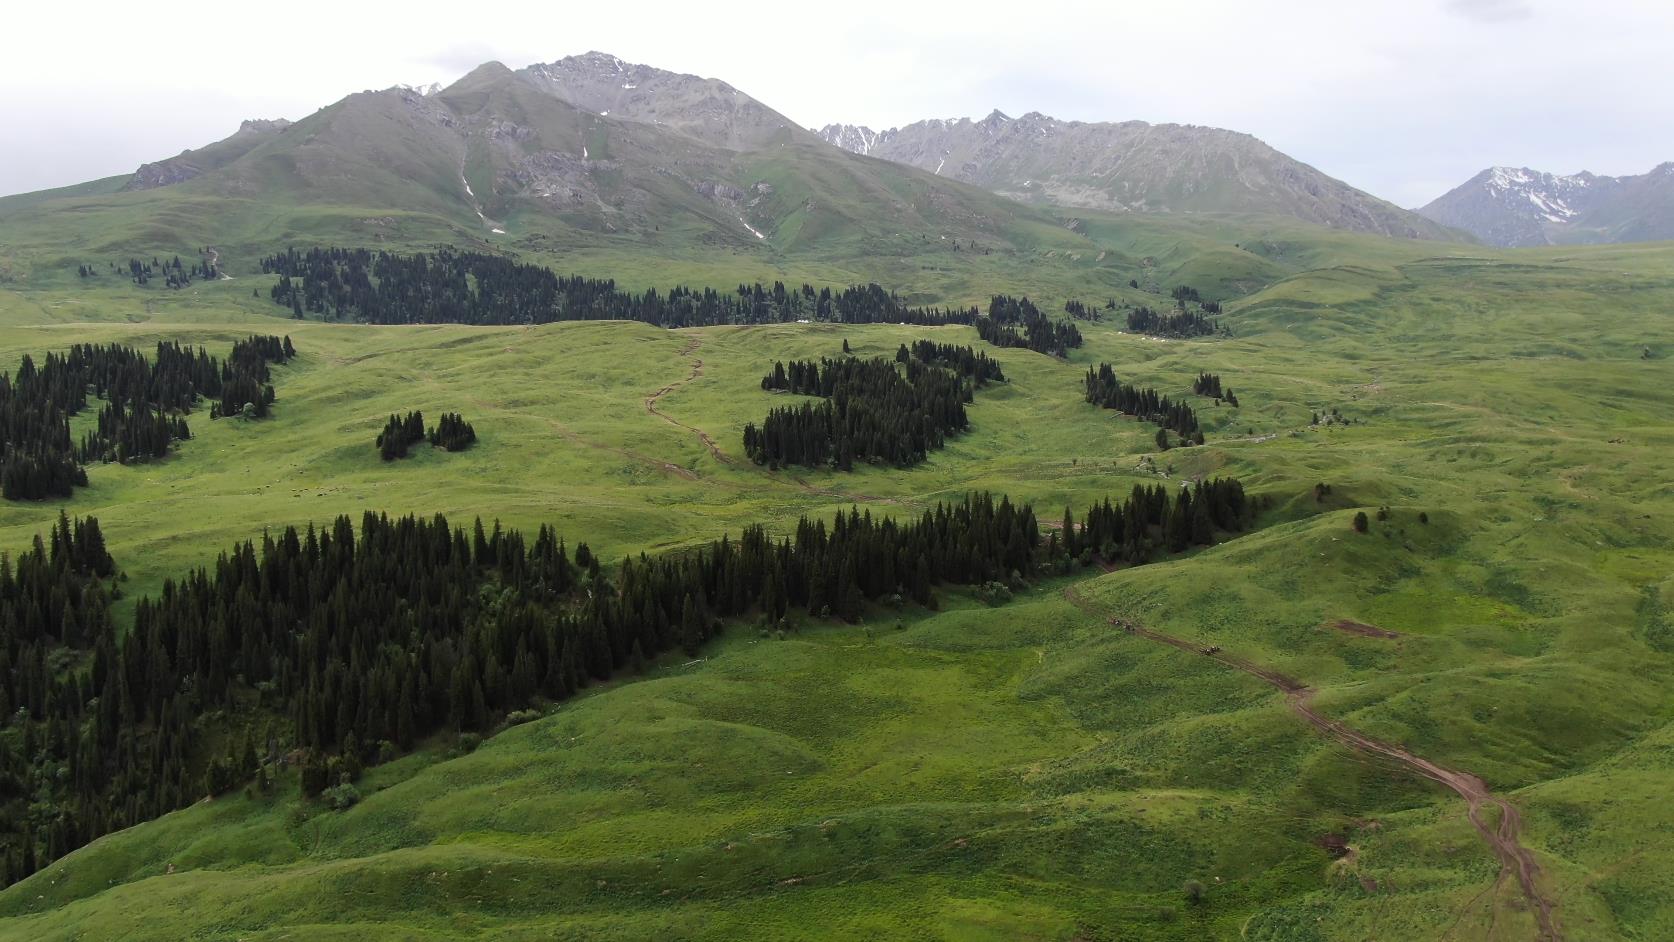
[{"x": 1502, "y": 838}]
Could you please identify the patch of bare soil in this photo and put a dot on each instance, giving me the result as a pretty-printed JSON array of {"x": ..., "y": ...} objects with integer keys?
[{"x": 1361, "y": 628}]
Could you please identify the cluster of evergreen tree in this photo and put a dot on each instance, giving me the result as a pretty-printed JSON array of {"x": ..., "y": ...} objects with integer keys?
[
  {"x": 974, "y": 365},
  {"x": 246, "y": 382},
  {"x": 400, "y": 433},
  {"x": 1082, "y": 311},
  {"x": 145, "y": 405},
  {"x": 52, "y": 601},
  {"x": 453, "y": 433},
  {"x": 1038, "y": 332},
  {"x": 174, "y": 273},
  {"x": 1177, "y": 323},
  {"x": 1152, "y": 520},
  {"x": 871, "y": 412},
  {"x": 449, "y": 286},
  {"x": 1186, "y": 293},
  {"x": 128, "y": 434},
  {"x": 335, "y": 647},
  {"x": 1209, "y": 384},
  {"x": 37, "y": 459},
  {"x": 1104, "y": 389}
]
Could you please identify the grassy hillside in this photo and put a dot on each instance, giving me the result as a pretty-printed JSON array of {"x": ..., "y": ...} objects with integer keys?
[{"x": 1028, "y": 771}]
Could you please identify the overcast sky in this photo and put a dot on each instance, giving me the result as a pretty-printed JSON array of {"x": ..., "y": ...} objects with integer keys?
[{"x": 1403, "y": 99}]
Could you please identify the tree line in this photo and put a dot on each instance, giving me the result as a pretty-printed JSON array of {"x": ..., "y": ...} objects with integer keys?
[
  {"x": 1154, "y": 520},
  {"x": 1017, "y": 322},
  {"x": 145, "y": 403},
  {"x": 1180, "y": 323},
  {"x": 451, "y": 286},
  {"x": 871, "y": 411},
  {"x": 331, "y": 649},
  {"x": 1105, "y": 390}
]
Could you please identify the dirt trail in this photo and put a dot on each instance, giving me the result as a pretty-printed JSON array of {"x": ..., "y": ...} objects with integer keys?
[
  {"x": 692, "y": 343},
  {"x": 1361, "y": 628},
  {"x": 1502, "y": 838},
  {"x": 215, "y": 262}
]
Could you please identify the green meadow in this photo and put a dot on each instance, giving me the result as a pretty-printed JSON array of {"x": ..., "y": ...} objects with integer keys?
[{"x": 1027, "y": 771}]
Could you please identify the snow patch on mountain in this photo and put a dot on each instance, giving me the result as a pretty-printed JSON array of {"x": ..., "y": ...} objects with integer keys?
[
  {"x": 1517, "y": 206},
  {"x": 1548, "y": 195},
  {"x": 854, "y": 138}
]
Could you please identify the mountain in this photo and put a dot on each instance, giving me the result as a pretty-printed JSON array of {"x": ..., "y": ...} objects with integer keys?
[
  {"x": 707, "y": 109},
  {"x": 579, "y": 152},
  {"x": 1516, "y": 206},
  {"x": 1131, "y": 166},
  {"x": 195, "y": 163}
]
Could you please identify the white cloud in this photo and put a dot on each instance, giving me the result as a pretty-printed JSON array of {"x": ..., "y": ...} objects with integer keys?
[
  {"x": 1492, "y": 11},
  {"x": 1391, "y": 96}
]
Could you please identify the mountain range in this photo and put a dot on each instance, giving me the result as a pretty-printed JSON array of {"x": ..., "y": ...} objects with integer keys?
[
  {"x": 585, "y": 151},
  {"x": 1516, "y": 206},
  {"x": 590, "y": 148},
  {"x": 1131, "y": 166}
]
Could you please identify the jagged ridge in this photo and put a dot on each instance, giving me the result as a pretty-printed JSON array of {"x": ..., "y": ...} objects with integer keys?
[{"x": 1131, "y": 166}]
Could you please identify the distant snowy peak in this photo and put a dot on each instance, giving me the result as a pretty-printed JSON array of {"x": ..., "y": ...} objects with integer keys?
[
  {"x": 1516, "y": 207},
  {"x": 424, "y": 90},
  {"x": 1550, "y": 195},
  {"x": 855, "y": 138}
]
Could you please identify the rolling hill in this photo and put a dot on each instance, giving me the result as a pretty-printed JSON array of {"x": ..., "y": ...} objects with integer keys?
[
  {"x": 1424, "y": 695},
  {"x": 1027, "y": 769}
]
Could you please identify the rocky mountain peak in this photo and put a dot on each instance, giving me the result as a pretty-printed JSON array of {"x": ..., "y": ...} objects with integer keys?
[
  {"x": 1519, "y": 206},
  {"x": 855, "y": 138},
  {"x": 1129, "y": 166},
  {"x": 263, "y": 125},
  {"x": 704, "y": 108}
]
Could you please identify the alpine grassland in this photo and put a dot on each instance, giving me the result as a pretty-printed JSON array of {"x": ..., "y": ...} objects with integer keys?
[{"x": 1454, "y": 725}]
